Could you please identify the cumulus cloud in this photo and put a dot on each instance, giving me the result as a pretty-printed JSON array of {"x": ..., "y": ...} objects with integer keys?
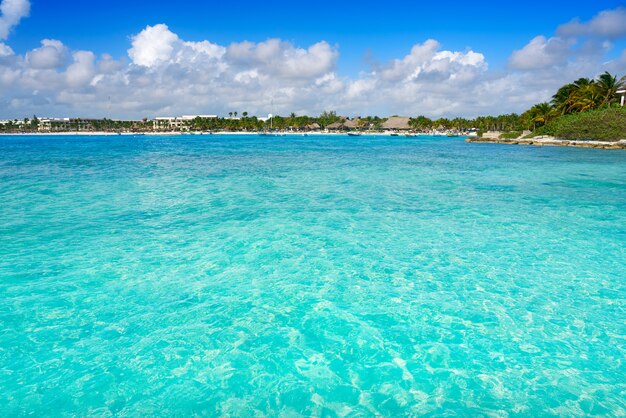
[
  {"x": 165, "y": 74},
  {"x": 541, "y": 52},
  {"x": 11, "y": 12},
  {"x": 5, "y": 50},
  {"x": 609, "y": 24},
  {"x": 153, "y": 46},
  {"x": 275, "y": 57},
  {"x": 428, "y": 79},
  {"x": 51, "y": 54},
  {"x": 82, "y": 71},
  {"x": 157, "y": 45},
  {"x": 578, "y": 48}
]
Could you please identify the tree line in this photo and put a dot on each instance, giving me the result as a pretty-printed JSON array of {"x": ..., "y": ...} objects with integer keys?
[{"x": 579, "y": 96}]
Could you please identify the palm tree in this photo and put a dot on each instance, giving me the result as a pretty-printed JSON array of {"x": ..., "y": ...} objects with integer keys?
[
  {"x": 562, "y": 96},
  {"x": 292, "y": 120},
  {"x": 540, "y": 114},
  {"x": 582, "y": 82},
  {"x": 585, "y": 98},
  {"x": 608, "y": 85},
  {"x": 567, "y": 98}
]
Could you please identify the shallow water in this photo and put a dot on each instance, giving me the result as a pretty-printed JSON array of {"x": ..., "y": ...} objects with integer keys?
[{"x": 310, "y": 276}]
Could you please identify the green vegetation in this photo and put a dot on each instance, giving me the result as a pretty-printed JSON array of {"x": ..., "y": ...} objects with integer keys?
[
  {"x": 510, "y": 135},
  {"x": 608, "y": 124},
  {"x": 583, "y": 109},
  {"x": 509, "y": 122},
  {"x": 120, "y": 125}
]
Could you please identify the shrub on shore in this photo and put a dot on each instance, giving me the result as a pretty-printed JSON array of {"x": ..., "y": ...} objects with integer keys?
[
  {"x": 510, "y": 135},
  {"x": 600, "y": 125}
]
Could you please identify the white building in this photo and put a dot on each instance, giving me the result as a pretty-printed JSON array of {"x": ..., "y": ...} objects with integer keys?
[
  {"x": 66, "y": 124},
  {"x": 623, "y": 94},
  {"x": 13, "y": 121},
  {"x": 53, "y": 124},
  {"x": 192, "y": 117},
  {"x": 176, "y": 122}
]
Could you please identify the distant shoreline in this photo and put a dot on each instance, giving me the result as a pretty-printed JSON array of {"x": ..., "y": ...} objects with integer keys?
[
  {"x": 177, "y": 133},
  {"x": 552, "y": 142}
]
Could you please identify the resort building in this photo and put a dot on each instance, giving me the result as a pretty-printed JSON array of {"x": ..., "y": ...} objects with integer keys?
[
  {"x": 192, "y": 117},
  {"x": 16, "y": 122},
  {"x": 313, "y": 127},
  {"x": 176, "y": 122},
  {"x": 337, "y": 126},
  {"x": 167, "y": 123},
  {"x": 622, "y": 93},
  {"x": 351, "y": 124},
  {"x": 65, "y": 124},
  {"x": 397, "y": 123}
]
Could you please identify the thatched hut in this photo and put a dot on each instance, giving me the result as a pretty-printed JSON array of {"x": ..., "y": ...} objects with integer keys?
[
  {"x": 313, "y": 127},
  {"x": 397, "y": 123},
  {"x": 335, "y": 126},
  {"x": 352, "y": 124}
]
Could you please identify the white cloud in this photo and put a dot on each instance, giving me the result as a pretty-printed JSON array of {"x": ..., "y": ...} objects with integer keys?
[
  {"x": 577, "y": 48},
  {"x": 165, "y": 74},
  {"x": 282, "y": 59},
  {"x": 5, "y": 50},
  {"x": 618, "y": 65},
  {"x": 429, "y": 80},
  {"x": 51, "y": 54},
  {"x": 540, "y": 53},
  {"x": 609, "y": 24},
  {"x": 427, "y": 62},
  {"x": 153, "y": 46},
  {"x": 108, "y": 65},
  {"x": 82, "y": 71},
  {"x": 157, "y": 45},
  {"x": 11, "y": 12}
]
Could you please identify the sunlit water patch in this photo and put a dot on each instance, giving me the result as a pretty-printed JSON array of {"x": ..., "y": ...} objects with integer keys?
[{"x": 308, "y": 276}]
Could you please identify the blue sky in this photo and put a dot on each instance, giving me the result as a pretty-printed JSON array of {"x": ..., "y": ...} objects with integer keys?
[
  {"x": 363, "y": 30},
  {"x": 364, "y": 38}
]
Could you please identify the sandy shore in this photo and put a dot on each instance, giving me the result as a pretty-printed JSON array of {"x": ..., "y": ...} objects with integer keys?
[{"x": 555, "y": 142}]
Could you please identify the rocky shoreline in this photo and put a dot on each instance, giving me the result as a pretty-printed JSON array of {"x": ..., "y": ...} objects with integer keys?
[{"x": 555, "y": 142}]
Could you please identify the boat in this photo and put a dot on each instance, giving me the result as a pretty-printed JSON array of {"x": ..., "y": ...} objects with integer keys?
[
  {"x": 271, "y": 134},
  {"x": 354, "y": 134}
]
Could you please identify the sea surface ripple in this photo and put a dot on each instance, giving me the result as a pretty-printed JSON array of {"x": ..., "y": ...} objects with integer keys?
[{"x": 310, "y": 276}]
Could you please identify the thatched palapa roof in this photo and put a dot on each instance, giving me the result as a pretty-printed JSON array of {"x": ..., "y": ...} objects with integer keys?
[
  {"x": 397, "y": 123},
  {"x": 352, "y": 124},
  {"x": 336, "y": 125}
]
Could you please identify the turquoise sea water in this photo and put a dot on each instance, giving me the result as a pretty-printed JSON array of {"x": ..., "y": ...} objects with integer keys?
[{"x": 310, "y": 276}]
